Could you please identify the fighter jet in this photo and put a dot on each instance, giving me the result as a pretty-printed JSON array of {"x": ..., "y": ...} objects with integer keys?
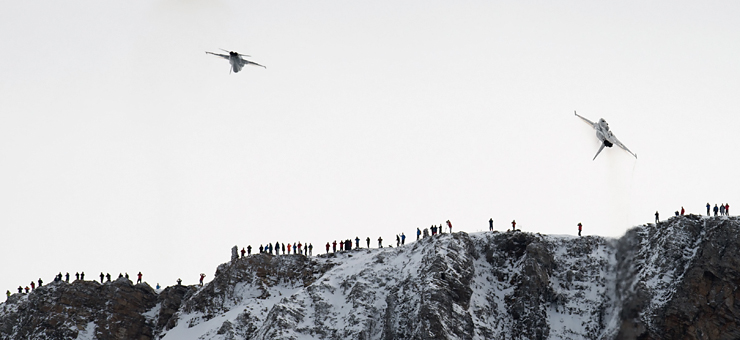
[
  {"x": 235, "y": 59},
  {"x": 607, "y": 138}
]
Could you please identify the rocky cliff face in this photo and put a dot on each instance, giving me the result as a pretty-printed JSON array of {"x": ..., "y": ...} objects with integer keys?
[{"x": 676, "y": 280}]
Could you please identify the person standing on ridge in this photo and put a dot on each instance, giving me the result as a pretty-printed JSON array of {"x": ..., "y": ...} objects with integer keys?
[
  {"x": 449, "y": 225},
  {"x": 294, "y": 248},
  {"x": 708, "y": 207},
  {"x": 310, "y": 249},
  {"x": 341, "y": 245},
  {"x": 327, "y": 248},
  {"x": 243, "y": 252},
  {"x": 139, "y": 274},
  {"x": 722, "y": 209},
  {"x": 682, "y": 211},
  {"x": 418, "y": 233},
  {"x": 403, "y": 239},
  {"x": 249, "y": 250},
  {"x": 398, "y": 241},
  {"x": 334, "y": 246},
  {"x": 20, "y": 290},
  {"x": 101, "y": 277},
  {"x": 82, "y": 276},
  {"x": 715, "y": 210},
  {"x": 66, "y": 277},
  {"x": 380, "y": 242},
  {"x": 277, "y": 248},
  {"x": 656, "y": 217},
  {"x": 33, "y": 285},
  {"x": 357, "y": 242},
  {"x": 107, "y": 277},
  {"x": 490, "y": 224},
  {"x": 513, "y": 225},
  {"x": 368, "y": 242},
  {"x": 202, "y": 276},
  {"x": 282, "y": 248},
  {"x": 727, "y": 209},
  {"x": 77, "y": 276},
  {"x": 41, "y": 283},
  {"x": 580, "y": 227}
]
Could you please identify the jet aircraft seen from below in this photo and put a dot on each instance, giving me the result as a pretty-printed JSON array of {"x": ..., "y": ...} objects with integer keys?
[
  {"x": 607, "y": 138},
  {"x": 235, "y": 59}
]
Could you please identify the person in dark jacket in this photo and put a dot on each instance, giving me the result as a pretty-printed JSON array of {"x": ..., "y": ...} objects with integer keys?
[
  {"x": 262, "y": 249},
  {"x": 418, "y": 233},
  {"x": 398, "y": 240},
  {"x": 490, "y": 224},
  {"x": 357, "y": 242},
  {"x": 656, "y": 217},
  {"x": 82, "y": 276},
  {"x": 708, "y": 207},
  {"x": 403, "y": 239},
  {"x": 77, "y": 276},
  {"x": 249, "y": 250},
  {"x": 277, "y": 248},
  {"x": 368, "y": 242},
  {"x": 716, "y": 210},
  {"x": 722, "y": 209},
  {"x": 102, "y": 276},
  {"x": 41, "y": 283},
  {"x": 380, "y": 242},
  {"x": 67, "y": 277}
]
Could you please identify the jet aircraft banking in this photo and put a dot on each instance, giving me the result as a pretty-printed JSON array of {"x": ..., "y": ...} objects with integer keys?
[
  {"x": 607, "y": 138},
  {"x": 235, "y": 59}
]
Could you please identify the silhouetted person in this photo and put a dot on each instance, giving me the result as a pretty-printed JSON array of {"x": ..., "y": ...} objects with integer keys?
[
  {"x": 368, "y": 242},
  {"x": 102, "y": 276},
  {"x": 82, "y": 276},
  {"x": 490, "y": 224},
  {"x": 139, "y": 278},
  {"x": 67, "y": 277},
  {"x": 708, "y": 207},
  {"x": 77, "y": 276},
  {"x": 380, "y": 242},
  {"x": 580, "y": 227},
  {"x": 657, "y": 217}
]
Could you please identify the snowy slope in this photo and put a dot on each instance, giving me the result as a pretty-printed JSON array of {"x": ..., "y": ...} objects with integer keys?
[{"x": 677, "y": 279}]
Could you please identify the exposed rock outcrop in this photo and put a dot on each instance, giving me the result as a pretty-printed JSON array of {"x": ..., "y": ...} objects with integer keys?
[{"x": 676, "y": 280}]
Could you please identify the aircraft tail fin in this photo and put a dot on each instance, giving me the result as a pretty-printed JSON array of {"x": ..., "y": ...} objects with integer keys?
[{"x": 598, "y": 152}]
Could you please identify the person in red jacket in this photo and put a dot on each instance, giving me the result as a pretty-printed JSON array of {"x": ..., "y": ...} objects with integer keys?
[
  {"x": 139, "y": 275},
  {"x": 580, "y": 227},
  {"x": 449, "y": 225},
  {"x": 202, "y": 276},
  {"x": 334, "y": 246},
  {"x": 727, "y": 209},
  {"x": 243, "y": 251},
  {"x": 327, "y": 247},
  {"x": 682, "y": 211},
  {"x": 513, "y": 225}
]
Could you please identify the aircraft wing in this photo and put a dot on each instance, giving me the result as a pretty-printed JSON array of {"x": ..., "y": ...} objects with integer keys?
[
  {"x": 616, "y": 142},
  {"x": 246, "y": 62},
  {"x": 219, "y": 55},
  {"x": 585, "y": 120}
]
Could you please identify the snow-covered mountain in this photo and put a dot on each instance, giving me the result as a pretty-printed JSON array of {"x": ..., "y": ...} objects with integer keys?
[{"x": 676, "y": 280}]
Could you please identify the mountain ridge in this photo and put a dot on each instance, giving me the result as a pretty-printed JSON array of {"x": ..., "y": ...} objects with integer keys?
[{"x": 674, "y": 280}]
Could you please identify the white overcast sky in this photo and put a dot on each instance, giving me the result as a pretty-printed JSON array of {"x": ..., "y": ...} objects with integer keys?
[{"x": 125, "y": 148}]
